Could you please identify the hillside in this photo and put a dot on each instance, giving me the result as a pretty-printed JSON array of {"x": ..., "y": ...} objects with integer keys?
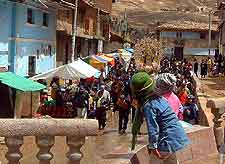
[{"x": 142, "y": 13}]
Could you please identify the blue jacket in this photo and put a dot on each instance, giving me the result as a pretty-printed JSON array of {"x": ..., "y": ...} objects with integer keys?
[{"x": 164, "y": 130}]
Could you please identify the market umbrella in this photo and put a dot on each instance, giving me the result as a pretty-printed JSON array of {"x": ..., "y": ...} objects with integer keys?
[
  {"x": 73, "y": 71},
  {"x": 20, "y": 83}
]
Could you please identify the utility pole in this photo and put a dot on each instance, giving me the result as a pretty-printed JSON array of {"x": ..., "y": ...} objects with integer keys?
[
  {"x": 74, "y": 31},
  {"x": 210, "y": 32}
]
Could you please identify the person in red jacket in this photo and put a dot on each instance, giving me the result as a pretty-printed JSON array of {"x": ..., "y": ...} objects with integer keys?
[{"x": 183, "y": 96}]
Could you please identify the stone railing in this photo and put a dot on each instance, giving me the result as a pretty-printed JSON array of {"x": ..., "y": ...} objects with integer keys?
[
  {"x": 212, "y": 112},
  {"x": 198, "y": 151},
  {"x": 45, "y": 131}
]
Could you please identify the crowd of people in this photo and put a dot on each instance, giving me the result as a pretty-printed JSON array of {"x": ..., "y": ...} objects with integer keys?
[
  {"x": 175, "y": 83},
  {"x": 170, "y": 94},
  {"x": 211, "y": 67},
  {"x": 92, "y": 98}
]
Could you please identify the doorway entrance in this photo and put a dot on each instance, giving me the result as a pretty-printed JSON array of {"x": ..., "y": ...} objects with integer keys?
[{"x": 179, "y": 53}]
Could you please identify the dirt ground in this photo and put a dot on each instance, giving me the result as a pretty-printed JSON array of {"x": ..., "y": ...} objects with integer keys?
[{"x": 214, "y": 87}]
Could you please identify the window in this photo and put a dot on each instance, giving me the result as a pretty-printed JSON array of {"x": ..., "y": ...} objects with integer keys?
[
  {"x": 32, "y": 65},
  {"x": 213, "y": 36},
  {"x": 202, "y": 35},
  {"x": 30, "y": 16},
  {"x": 179, "y": 34},
  {"x": 45, "y": 19}
]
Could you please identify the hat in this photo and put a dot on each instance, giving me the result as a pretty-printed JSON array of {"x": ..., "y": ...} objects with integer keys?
[
  {"x": 191, "y": 97},
  {"x": 165, "y": 82},
  {"x": 142, "y": 83}
]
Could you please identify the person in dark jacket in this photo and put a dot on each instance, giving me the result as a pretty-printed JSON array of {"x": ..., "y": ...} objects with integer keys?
[
  {"x": 166, "y": 134},
  {"x": 191, "y": 111},
  {"x": 196, "y": 67},
  {"x": 124, "y": 111},
  {"x": 203, "y": 69}
]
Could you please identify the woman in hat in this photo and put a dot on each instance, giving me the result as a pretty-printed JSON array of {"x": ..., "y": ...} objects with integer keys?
[
  {"x": 166, "y": 134},
  {"x": 165, "y": 86}
]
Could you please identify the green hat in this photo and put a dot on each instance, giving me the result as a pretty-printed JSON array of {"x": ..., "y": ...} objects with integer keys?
[{"x": 142, "y": 83}]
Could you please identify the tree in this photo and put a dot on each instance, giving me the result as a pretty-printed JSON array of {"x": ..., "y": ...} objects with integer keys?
[{"x": 148, "y": 53}]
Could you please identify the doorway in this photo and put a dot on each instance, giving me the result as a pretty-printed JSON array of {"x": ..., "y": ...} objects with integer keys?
[
  {"x": 179, "y": 53},
  {"x": 32, "y": 66}
]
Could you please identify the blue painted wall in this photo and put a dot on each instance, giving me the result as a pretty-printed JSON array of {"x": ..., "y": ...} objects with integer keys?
[
  {"x": 5, "y": 21},
  {"x": 185, "y": 35},
  {"x": 19, "y": 39},
  {"x": 168, "y": 34},
  {"x": 199, "y": 51}
]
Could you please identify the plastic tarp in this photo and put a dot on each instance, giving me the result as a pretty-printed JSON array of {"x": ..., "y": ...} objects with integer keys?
[
  {"x": 99, "y": 59},
  {"x": 110, "y": 60},
  {"x": 126, "y": 56},
  {"x": 73, "y": 71},
  {"x": 85, "y": 69},
  {"x": 20, "y": 83}
]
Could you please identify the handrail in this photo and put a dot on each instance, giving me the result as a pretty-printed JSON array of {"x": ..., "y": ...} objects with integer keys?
[{"x": 48, "y": 127}]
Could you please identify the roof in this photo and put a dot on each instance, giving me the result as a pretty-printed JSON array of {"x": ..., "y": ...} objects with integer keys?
[
  {"x": 20, "y": 83},
  {"x": 186, "y": 25},
  {"x": 93, "y": 5}
]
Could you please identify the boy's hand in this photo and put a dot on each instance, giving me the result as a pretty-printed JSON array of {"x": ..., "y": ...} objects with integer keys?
[{"x": 155, "y": 152}]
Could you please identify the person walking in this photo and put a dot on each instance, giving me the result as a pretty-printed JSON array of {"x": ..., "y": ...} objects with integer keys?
[
  {"x": 202, "y": 66},
  {"x": 205, "y": 68},
  {"x": 196, "y": 67},
  {"x": 166, "y": 134},
  {"x": 124, "y": 111},
  {"x": 80, "y": 102},
  {"x": 101, "y": 108}
]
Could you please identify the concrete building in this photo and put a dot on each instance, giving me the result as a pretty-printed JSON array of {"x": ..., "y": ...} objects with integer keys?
[
  {"x": 221, "y": 15},
  {"x": 92, "y": 29},
  {"x": 28, "y": 37},
  {"x": 187, "y": 39},
  {"x": 64, "y": 34}
]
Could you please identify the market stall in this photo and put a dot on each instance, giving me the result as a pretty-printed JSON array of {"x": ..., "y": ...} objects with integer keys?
[
  {"x": 20, "y": 96},
  {"x": 73, "y": 71}
]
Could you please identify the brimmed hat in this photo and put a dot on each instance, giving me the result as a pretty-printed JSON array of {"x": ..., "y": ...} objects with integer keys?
[
  {"x": 165, "y": 82},
  {"x": 191, "y": 97},
  {"x": 142, "y": 83}
]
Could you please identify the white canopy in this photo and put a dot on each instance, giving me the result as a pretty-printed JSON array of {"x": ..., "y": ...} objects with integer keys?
[{"x": 73, "y": 71}]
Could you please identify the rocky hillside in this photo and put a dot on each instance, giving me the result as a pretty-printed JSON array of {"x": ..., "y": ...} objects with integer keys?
[{"x": 142, "y": 13}]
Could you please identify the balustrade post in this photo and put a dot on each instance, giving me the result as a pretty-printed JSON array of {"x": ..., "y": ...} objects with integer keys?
[
  {"x": 14, "y": 155},
  {"x": 218, "y": 129},
  {"x": 74, "y": 143},
  {"x": 45, "y": 144}
]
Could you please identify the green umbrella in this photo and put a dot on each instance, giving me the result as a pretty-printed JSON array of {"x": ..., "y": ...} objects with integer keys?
[{"x": 20, "y": 83}]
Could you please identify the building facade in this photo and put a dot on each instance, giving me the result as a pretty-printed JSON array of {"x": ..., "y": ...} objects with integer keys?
[
  {"x": 188, "y": 39},
  {"x": 92, "y": 29},
  {"x": 28, "y": 37},
  {"x": 221, "y": 27}
]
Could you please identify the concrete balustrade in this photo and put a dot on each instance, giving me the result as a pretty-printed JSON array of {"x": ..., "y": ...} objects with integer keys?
[{"x": 45, "y": 131}]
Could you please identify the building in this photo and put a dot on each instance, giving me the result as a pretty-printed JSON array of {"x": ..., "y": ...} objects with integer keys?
[
  {"x": 221, "y": 15},
  {"x": 28, "y": 37},
  {"x": 187, "y": 38},
  {"x": 92, "y": 29},
  {"x": 64, "y": 34}
]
